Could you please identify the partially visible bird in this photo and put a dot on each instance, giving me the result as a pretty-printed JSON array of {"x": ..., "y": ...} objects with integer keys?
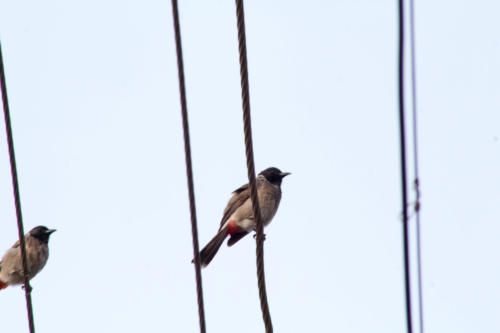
[
  {"x": 37, "y": 253},
  {"x": 238, "y": 219}
]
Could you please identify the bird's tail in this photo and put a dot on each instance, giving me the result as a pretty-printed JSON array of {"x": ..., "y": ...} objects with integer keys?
[
  {"x": 3, "y": 285},
  {"x": 209, "y": 251}
]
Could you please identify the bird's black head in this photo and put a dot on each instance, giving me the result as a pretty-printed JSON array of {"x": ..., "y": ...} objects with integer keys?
[
  {"x": 41, "y": 233},
  {"x": 274, "y": 175}
]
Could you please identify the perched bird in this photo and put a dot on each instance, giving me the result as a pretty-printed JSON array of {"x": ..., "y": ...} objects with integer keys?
[
  {"x": 238, "y": 219},
  {"x": 37, "y": 253}
]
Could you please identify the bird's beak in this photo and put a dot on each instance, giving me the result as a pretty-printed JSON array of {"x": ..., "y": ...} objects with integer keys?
[
  {"x": 51, "y": 231},
  {"x": 284, "y": 174}
]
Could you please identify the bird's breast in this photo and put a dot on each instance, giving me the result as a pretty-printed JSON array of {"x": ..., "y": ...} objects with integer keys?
[
  {"x": 269, "y": 199},
  {"x": 38, "y": 253}
]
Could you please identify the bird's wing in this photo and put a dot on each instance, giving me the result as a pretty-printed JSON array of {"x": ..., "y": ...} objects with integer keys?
[
  {"x": 12, "y": 252},
  {"x": 241, "y": 189},
  {"x": 11, "y": 261},
  {"x": 240, "y": 195}
]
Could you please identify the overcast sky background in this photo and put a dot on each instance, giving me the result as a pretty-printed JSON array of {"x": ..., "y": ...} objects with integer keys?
[{"x": 96, "y": 117}]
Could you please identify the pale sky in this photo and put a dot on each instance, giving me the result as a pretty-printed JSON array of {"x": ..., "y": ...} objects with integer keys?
[{"x": 94, "y": 99}]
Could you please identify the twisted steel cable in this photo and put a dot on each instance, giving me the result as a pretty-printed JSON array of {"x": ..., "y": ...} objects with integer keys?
[
  {"x": 17, "y": 197},
  {"x": 245, "y": 95},
  {"x": 189, "y": 167}
]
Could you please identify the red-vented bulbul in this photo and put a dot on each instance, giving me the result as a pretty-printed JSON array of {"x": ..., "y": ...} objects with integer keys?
[
  {"x": 37, "y": 253},
  {"x": 238, "y": 219}
]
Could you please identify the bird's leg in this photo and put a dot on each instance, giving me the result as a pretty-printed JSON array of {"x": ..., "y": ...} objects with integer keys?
[{"x": 29, "y": 289}]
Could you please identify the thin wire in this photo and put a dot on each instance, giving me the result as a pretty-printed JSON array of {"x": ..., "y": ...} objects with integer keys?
[
  {"x": 415, "y": 166},
  {"x": 189, "y": 167},
  {"x": 245, "y": 95},
  {"x": 17, "y": 197},
  {"x": 404, "y": 195}
]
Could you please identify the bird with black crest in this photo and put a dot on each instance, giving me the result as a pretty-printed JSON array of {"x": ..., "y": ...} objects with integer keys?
[
  {"x": 238, "y": 218},
  {"x": 37, "y": 253}
]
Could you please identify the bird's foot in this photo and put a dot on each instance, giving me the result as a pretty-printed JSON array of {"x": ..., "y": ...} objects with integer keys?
[
  {"x": 29, "y": 289},
  {"x": 255, "y": 236}
]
